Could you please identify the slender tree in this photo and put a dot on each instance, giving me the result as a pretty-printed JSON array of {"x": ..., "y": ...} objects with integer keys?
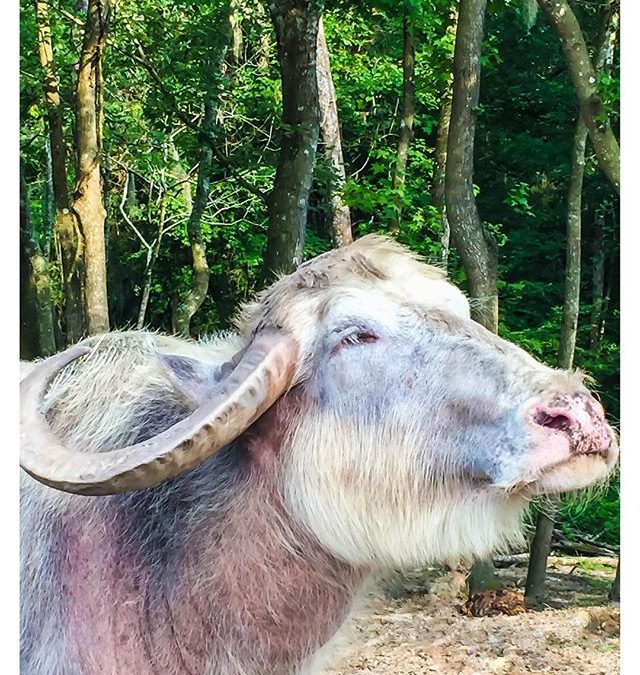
[
  {"x": 585, "y": 81},
  {"x": 467, "y": 232},
  {"x": 29, "y": 342},
  {"x": 48, "y": 202},
  {"x": 65, "y": 226},
  {"x": 36, "y": 284},
  {"x": 296, "y": 28},
  {"x": 88, "y": 201},
  {"x": 614, "y": 593},
  {"x": 127, "y": 208},
  {"x": 440, "y": 155},
  {"x": 408, "y": 109},
  {"x": 235, "y": 22},
  {"x": 130, "y": 193},
  {"x": 152, "y": 256},
  {"x": 190, "y": 304},
  {"x": 474, "y": 244},
  {"x": 541, "y": 544},
  {"x": 332, "y": 142},
  {"x": 439, "y": 173},
  {"x": 571, "y": 305},
  {"x": 597, "y": 281},
  {"x": 231, "y": 43}
]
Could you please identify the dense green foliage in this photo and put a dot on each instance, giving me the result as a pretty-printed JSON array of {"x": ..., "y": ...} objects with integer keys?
[{"x": 165, "y": 56}]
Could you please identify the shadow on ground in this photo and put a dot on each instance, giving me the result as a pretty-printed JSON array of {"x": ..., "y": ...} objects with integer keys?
[{"x": 415, "y": 623}]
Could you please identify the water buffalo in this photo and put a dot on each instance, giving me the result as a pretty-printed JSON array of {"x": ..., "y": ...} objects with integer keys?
[{"x": 215, "y": 507}]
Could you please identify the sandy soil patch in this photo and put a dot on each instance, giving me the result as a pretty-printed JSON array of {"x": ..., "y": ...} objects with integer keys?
[{"x": 577, "y": 632}]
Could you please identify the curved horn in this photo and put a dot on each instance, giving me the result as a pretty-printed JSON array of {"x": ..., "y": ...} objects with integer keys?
[{"x": 264, "y": 371}]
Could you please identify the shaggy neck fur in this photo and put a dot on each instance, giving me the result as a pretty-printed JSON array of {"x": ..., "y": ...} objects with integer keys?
[{"x": 243, "y": 590}]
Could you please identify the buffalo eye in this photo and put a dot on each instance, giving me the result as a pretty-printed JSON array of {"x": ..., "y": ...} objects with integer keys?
[
  {"x": 351, "y": 336},
  {"x": 353, "y": 339},
  {"x": 358, "y": 338}
]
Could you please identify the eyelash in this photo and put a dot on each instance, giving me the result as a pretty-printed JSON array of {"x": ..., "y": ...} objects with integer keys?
[{"x": 358, "y": 339}]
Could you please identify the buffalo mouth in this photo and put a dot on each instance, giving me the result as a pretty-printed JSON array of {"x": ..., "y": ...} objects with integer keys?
[
  {"x": 578, "y": 469},
  {"x": 555, "y": 464},
  {"x": 572, "y": 446},
  {"x": 552, "y": 459}
]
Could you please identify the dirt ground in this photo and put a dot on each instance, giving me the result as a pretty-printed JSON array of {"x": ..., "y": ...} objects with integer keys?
[{"x": 576, "y": 632}]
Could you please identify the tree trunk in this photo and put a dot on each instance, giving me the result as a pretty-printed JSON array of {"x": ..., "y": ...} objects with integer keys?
[
  {"x": 235, "y": 20},
  {"x": 585, "y": 81},
  {"x": 474, "y": 244},
  {"x": 29, "y": 346},
  {"x": 38, "y": 280},
  {"x": 152, "y": 256},
  {"x": 440, "y": 154},
  {"x": 106, "y": 192},
  {"x": 541, "y": 545},
  {"x": 29, "y": 342},
  {"x": 439, "y": 173},
  {"x": 571, "y": 306},
  {"x": 66, "y": 227},
  {"x": 330, "y": 129},
  {"x": 597, "y": 283},
  {"x": 296, "y": 27},
  {"x": 614, "y": 593},
  {"x": 88, "y": 205},
  {"x": 408, "y": 112},
  {"x": 182, "y": 176},
  {"x": 48, "y": 202},
  {"x": 482, "y": 577},
  {"x": 184, "y": 310},
  {"x": 131, "y": 202}
]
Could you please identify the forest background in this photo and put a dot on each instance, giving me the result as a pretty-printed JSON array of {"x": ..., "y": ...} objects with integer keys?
[{"x": 175, "y": 155}]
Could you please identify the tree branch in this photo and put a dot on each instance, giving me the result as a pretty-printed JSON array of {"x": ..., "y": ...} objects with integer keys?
[
  {"x": 142, "y": 59},
  {"x": 585, "y": 81}
]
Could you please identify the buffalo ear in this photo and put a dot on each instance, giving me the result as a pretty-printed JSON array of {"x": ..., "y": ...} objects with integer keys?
[{"x": 196, "y": 379}]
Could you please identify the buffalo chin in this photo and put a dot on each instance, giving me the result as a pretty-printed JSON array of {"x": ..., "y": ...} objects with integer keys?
[{"x": 575, "y": 473}]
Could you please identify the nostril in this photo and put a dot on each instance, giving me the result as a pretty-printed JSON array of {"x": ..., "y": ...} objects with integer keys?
[{"x": 553, "y": 420}]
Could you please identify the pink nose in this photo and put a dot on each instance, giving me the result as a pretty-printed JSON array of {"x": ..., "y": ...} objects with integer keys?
[{"x": 581, "y": 418}]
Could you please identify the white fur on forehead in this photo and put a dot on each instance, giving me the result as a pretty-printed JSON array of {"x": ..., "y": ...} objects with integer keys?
[{"x": 372, "y": 262}]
